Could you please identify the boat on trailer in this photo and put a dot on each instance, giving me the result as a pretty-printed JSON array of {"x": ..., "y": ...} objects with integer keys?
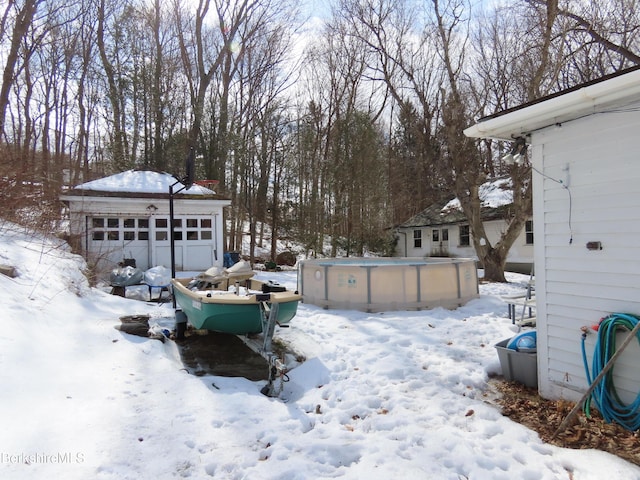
[{"x": 230, "y": 301}]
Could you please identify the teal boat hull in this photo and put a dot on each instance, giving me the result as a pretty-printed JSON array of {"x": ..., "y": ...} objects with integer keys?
[{"x": 229, "y": 313}]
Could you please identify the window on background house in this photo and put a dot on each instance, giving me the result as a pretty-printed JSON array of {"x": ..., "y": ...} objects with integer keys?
[
  {"x": 464, "y": 235},
  {"x": 528, "y": 232},
  {"x": 435, "y": 236},
  {"x": 417, "y": 239}
]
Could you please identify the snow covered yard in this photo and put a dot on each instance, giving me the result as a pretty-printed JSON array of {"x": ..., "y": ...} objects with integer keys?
[{"x": 396, "y": 394}]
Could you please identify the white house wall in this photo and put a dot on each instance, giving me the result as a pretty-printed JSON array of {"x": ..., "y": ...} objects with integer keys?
[
  {"x": 520, "y": 252},
  {"x": 428, "y": 246},
  {"x": 597, "y": 158}
]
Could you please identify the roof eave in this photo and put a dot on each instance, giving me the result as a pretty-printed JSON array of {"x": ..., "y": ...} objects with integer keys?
[
  {"x": 573, "y": 104},
  {"x": 75, "y": 194}
]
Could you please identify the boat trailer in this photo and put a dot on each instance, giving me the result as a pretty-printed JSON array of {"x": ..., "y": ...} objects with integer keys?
[{"x": 260, "y": 344}]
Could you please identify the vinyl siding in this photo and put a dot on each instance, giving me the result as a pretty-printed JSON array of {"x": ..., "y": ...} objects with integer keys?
[{"x": 575, "y": 286}]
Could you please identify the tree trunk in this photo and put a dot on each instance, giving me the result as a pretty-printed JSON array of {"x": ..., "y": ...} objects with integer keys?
[
  {"x": 24, "y": 18},
  {"x": 494, "y": 267},
  {"x": 113, "y": 94}
]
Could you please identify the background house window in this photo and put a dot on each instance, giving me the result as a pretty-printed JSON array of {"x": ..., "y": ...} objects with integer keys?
[
  {"x": 417, "y": 239},
  {"x": 435, "y": 235},
  {"x": 528, "y": 232},
  {"x": 464, "y": 235}
]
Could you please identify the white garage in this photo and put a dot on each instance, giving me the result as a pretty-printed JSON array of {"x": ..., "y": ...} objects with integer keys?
[{"x": 127, "y": 216}]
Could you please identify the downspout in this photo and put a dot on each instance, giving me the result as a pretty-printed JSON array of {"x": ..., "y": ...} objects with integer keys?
[
  {"x": 150, "y": 241},
  {"x": 215, "y": 236},
  {"x": 86, "y": 236}
]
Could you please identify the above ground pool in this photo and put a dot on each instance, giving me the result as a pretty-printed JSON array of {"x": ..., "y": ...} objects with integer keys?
[{"x": 385, "y": 284}]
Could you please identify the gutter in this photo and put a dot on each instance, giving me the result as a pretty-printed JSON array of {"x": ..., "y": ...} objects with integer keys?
[{"x": 586, "y": 100}]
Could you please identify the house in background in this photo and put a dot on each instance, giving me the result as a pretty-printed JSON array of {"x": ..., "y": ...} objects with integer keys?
[
  {"x": 126, "y": 216},
  {"x": 442, "y": 230},
  {"x": 586, "y": 210}
]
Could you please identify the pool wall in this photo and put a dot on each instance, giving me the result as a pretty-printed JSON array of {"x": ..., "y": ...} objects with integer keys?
[{"x": 386, "y": 284}]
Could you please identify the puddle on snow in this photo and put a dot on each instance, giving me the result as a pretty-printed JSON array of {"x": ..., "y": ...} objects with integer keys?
[{"x": 221, "y": 354}]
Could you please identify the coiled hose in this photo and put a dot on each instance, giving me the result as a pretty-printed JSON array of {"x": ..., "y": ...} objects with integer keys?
[{"x": 604, "y": 395}]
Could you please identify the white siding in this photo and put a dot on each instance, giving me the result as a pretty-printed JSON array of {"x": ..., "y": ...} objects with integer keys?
[
  {"x": 190, "y": 253},
  {"x": 519, "y": 252},
  {"x": 576, "y": 286}
]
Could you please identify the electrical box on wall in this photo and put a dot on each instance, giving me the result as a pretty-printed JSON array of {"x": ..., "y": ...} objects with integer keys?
[{"x": 594, "y": 245}]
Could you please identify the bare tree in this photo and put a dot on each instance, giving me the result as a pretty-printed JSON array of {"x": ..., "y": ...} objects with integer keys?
[
  {"x": 444, "y": 99},
  {"x": 22, "y": 16},
  {"x": 470, "y": 174},
  {"x": 600, "y": 22},
  {"x": 461, "y": 156},
  {"x": 260, "y": 121},
  {"x": 115, "y": 93},
  {"x": 85, "y": 97},
  {"x": 404, "y": 61}
]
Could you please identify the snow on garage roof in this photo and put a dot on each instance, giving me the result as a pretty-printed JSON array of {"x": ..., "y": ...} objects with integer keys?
[{"x": 140, "y": 181}]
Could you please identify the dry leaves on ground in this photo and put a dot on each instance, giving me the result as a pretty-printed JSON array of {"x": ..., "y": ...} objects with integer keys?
[{"x": 525, "y": 406}]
